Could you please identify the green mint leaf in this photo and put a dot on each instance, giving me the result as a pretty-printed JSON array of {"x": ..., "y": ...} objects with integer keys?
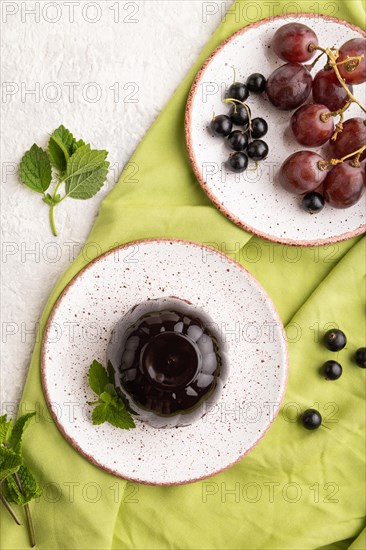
[
  {"x": 28, "y": 482},
  {"x": 84, "y": 160},
  {"x": 9, "y": 462},
  {"x": 86, "y": 185},
  {"x": 111, "y": 373},
  {"x": 111, "y": 390},
  {"x": 110, "y": 408},
  {"x": 35, "y": 169},
  {"x": 61, "y": 147},
  {"x": 100, "y": 414},
  {"x": 5, "y": 428},
  {"x": 118, "y": 416},
  {"x": 11, "y": 490},
  {"x": 15, "y": 440},
  {"x": 86, "y": 172},
  {"x": 77, "y": 145},
  {"x": 123, "y": 401},
  {"x": 30, "y": 488},
  {"x": 105, "y": 397},
  {"x": 98, "y": 377}
]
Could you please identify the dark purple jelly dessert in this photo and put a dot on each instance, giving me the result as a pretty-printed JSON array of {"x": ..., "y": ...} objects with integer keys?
[
  {"x": 169, "y": 362},
  {"x": 164, "y": 372}
]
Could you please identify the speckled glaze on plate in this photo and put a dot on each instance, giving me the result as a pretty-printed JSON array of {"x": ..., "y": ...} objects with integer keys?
[
  {"x": 254, "y": 199},
  {"x": 79, "y": 330}
]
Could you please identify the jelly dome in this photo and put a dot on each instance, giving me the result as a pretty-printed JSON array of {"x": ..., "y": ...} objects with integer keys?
[{"x": 169, "y": 361}]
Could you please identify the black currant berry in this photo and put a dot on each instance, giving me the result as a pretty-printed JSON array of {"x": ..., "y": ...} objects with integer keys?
[
  {"x": 221, "y": 125},
  {"x": 238, "y": 91},
  {"x": 259, "y": 127},
  {"x": 313, "y": 202},
  {"x": 258, "y": 149},
  {"x": 238, "y": 140},
  {"x": 360, "y": 357},
  {"x": 238, "y": 162},
  {"x": 311, "y": 419},
  {"x": 332, "y": 370},
  {"x": 256, "y": 83},
  {"x": 334, "y": 339},
  {"x": 239, "y": 115}
]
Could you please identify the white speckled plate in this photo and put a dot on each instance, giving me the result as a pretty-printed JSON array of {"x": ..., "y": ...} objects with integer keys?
[
  {"x": 79, "y": 329},
  {"x": 254, "y": 199}
]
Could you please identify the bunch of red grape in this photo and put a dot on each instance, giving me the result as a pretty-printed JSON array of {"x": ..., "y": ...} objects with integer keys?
[
  {"x": 306, "y": 173},
  {"x": 246, "y": 141}
]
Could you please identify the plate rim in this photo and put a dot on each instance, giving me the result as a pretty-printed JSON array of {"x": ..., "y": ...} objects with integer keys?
[
  {"x": 187, "y": 131},
  {"x": 89, "y": 457}
]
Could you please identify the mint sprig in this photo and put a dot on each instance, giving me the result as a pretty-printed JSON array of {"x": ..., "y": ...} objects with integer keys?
[
  {"x": 69, "y": 162},
  {"x": 17, "y": 483},
  {"x": 109, "y": 407}
]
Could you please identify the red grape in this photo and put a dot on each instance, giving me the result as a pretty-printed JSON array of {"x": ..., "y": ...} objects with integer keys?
[
  {"x": 308, "y": 127},
  {"x": 291, "y": 42},
  {"x": 344, "y": 185},
  {"x": 289, "y": 86},
  {"x": 352, "y": 137},
  {"x": 352, "y": 48},
  {"x": 328, "y": 91},
  {"x": 300, "y": 172}
]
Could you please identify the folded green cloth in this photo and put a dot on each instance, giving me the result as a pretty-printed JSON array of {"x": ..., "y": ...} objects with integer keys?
[{"x": 297, "y": 489}]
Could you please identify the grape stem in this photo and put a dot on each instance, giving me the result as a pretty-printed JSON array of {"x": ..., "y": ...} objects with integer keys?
[
  {"x": 324, "y": 117},
  {"x": 353, "y": 62},
  {"x": 312, "y": 65},
  {"x": 323, "y": 165},
  {"x": 234, "y": 101},
  {"x": 333, "y": 55},
  {"x": 338, "y": 128},
  {"x": 233, "y": 68}
]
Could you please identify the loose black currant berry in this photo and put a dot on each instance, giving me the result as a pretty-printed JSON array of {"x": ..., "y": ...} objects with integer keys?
[
  {"x": 332, "y": 370},
  {"x": 256, "y": 83},
  {"x": 238, "y": 140},
  {"x": 239, "y": 115},
  {"x": 334, "y": 339},
  {"x": 258, "y": 149},
  {"x": 313, "y": 202},
  {"x": 360, "y": 357},
  {"x": 259, "y": 127},
  {"x": 238, "y": 91},
  {"x": 238, "y": 162},
  {"x": 311, "y": 419},
  {"x": 221, "y": 125}
]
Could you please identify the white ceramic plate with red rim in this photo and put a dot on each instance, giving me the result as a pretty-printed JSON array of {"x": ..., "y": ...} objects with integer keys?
[
  {"x": 79, "y": 329},
  {"x": 254, "y": 199}
]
